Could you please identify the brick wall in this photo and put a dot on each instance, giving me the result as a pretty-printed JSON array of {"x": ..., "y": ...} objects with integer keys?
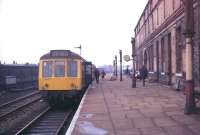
[{"x": 164, "y": 18}]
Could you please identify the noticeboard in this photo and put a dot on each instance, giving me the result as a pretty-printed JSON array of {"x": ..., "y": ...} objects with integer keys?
[{"x": 10, "y": 80}]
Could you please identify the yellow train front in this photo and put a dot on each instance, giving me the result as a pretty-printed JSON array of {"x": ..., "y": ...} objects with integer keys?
[{"x": 63, "y": 75}]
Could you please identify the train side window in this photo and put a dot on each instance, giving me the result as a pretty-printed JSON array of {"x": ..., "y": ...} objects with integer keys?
[
  {"x": 59, "y": 68},
  {"x": 47, "y": 69},
  {"x": 72, "y": 68}
]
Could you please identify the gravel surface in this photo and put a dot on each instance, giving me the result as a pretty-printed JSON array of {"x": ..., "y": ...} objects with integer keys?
[{"x": 21, "y": 118}]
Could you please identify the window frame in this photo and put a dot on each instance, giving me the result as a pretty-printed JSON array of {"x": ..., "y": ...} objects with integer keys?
[
  {"x": 64, "y": 64},
  {"x": 67, "y": 68},
  {"x": 52, "y": 70}
]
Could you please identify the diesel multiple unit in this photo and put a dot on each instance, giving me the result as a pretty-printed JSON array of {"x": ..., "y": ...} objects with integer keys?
[{"x": 64, "y": 74}]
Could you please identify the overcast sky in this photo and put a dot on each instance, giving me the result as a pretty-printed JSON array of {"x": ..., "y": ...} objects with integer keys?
[{"x": 30, "y": 28}]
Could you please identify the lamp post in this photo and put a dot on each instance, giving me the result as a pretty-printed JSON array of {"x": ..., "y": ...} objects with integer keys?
[
  {"x": 116, "y": 65},
  {"x": 114, "y": 72},
  {"x": 189, "y": 32},
  {"x": 120, "y": 54},
  {"x": 133, "y": 56}
]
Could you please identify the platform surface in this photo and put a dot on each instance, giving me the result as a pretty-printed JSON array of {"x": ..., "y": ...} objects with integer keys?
[{"x": 114, "y": 108}]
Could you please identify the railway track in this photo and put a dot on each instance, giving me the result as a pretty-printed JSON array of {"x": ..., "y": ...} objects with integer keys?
[
  {"x": 18, "y": 104},
  {"x": 49, "y": 122}
]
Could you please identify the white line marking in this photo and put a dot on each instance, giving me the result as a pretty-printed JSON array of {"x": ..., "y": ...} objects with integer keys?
[{"x": 75, "y": 118}]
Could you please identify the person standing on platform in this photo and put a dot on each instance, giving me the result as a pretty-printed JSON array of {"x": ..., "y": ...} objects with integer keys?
[
  {"x": 143, "y": 74},
  {"x": 103, "y": 74},
  {"x": 96, "y": 73}
]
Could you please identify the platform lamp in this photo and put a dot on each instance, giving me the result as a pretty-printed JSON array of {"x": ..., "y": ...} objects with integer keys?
[
  {"x": 133, "y": 57},
  {"x": 116, "y": 65},
  {"x": 120, "y": 56}
]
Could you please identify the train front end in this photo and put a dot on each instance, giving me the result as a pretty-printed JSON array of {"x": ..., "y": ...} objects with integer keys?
[{"x": 60, "y": 75}]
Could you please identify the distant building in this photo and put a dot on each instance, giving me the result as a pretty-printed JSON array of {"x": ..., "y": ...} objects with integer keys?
[
  {"x": 160, "y": 43},
  {"x": 106, "y": 68}
]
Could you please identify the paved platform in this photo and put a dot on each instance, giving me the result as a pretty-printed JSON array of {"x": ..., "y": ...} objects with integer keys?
[{"x": 114, "y": 108}]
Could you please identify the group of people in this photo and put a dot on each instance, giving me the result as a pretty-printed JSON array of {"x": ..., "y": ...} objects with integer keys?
[
  {"x": 97, "y": 74},
  {"x": 143, "y": 74}
]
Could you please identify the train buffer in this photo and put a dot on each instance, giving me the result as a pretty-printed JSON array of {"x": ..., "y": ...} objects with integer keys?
[{"x": 114, "y": 108}]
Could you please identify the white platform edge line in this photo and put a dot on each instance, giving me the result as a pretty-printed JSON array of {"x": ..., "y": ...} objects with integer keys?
[{"x": 75, "y": 118}]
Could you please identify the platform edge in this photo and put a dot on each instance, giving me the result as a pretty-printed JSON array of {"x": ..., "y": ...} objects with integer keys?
[{"x": 75, "y": 118}]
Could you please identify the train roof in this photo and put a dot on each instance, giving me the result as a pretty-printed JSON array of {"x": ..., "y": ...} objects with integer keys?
[{"x": 55, "y": 54}]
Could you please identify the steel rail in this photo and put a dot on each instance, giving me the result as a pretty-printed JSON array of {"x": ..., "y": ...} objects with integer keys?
[
  {"x": 34, "y": 120},
  {"x": 19, "y": 99},
  {"x": 19, "y": 107},
  {"x": 47, "y": 122},
  {"x": 61, "y": 125}
]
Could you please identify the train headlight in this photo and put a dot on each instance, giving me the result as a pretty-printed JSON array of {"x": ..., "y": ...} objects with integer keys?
[
  {"x": 45, "y": 87},
  {"x": 73, "y": 86}
]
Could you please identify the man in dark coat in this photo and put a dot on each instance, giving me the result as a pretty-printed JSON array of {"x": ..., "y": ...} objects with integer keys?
[
  {"x": 96, "y": 73},
  {"x": 143, "y": 74},
  {"x": 103, "y": 74}
]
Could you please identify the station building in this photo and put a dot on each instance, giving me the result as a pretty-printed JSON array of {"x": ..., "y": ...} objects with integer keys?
[{"x": 160, "y": 42}]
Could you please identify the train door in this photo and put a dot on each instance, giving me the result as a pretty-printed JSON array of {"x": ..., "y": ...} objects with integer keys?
[
  {"x": 83, "y": 73},
  {"x": 88, "y": 73}
]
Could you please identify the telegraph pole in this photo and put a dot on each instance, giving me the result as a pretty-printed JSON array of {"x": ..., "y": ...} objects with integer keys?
[
  {"x": 133, "y": 56},
  {"x": 189, "y": 32},
  {"x": 120, "y": 54},
  {"x": 116, "y": 65}
]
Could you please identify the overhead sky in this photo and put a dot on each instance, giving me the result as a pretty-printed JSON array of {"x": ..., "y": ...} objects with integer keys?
[{"x": 30, "y": 28}]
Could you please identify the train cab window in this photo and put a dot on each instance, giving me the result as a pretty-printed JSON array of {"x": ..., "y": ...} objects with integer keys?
[
  {"x": 59, "y": 68},
  {"x": 47, "y": 69},
  {"x": 72, "y": 68}
]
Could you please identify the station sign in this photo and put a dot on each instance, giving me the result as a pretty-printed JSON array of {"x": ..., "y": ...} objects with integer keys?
[
  {"x": 127, "y": 58},
  {"x": 60, "y": 53}
]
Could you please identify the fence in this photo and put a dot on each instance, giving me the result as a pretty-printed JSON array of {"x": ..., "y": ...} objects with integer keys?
[{"x": 18, "y": 77}]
